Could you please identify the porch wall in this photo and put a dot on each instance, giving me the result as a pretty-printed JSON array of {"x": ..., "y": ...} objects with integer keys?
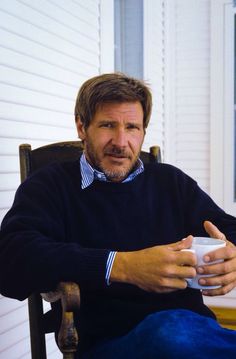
[{"x": 47, "y": 49}]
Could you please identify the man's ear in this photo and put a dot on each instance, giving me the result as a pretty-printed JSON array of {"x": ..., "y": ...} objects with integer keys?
[{"x": 80, "y": 129}]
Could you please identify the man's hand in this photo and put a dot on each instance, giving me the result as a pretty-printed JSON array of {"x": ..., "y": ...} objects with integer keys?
[
  {"x": 225, "y": 272},
  {"x": 160, "y": 269}
]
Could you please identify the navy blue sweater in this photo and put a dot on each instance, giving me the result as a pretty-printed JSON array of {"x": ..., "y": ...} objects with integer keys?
[{"x": 55, "y": 231}]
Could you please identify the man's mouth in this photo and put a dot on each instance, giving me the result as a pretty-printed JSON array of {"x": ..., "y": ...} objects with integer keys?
[{"x": 115, "y": 155}]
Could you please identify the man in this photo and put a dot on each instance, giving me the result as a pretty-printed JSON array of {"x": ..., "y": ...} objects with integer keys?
[{"x": 116, "y": 227}]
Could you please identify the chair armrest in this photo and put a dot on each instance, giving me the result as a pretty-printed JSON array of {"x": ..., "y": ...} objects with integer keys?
[
  {"x": 70, "y": 301},
  {"x": 226, "y": 316},
  {"x": 69, "y": 294},
  {"x": 51, "y": 297}
]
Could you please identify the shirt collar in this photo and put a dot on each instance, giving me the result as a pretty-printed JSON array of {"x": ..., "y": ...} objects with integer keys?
[{"x": 89, "y": 174}]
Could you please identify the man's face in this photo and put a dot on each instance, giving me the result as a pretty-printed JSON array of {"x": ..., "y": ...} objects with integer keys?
[{"x": 114, "y": 138}]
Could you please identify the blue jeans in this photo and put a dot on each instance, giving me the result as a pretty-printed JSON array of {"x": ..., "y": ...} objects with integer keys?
[{"x": 170, "y": 334}]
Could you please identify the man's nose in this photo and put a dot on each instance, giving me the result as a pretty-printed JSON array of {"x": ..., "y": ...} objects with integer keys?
[{"x": 120, "y": 137}]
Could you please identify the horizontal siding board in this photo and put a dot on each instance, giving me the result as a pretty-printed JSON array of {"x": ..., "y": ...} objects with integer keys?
[
  {"x": 8, "y": 163},
  {"x": 192, "y": 22},
  {"x": 193, "y": 101},
  {"x": 87, "y": 11},
  {"x": 196, "y": 92},
  {"x": 14, "y": 336},
  {"x": 194, "y": 118},
  {"x": 201, "y": 73},
  {"x": 38, "y": 84},
  {"x": 199, "y": 140},
  {"x": 201, "y": 61},
  {"x": 8, "y": 305},
  {"x": 20, "y": 350},
  {"x": 57, "y": 44},
  {"x": 43, "y": 69},
  {"x": 200, "y": 110},
  {"x": 48, "y": 31},
  {"x": 193, "y": 128},
  {"x": 50, "y": 54},
  {"x": 55, "y": 48},
  {"x": 10, "y": 146},
  {"x": 193, "y": 146},
  {"x": 33, "y": 98},
  {"x": 11, "y": 319},
  {"x": 187, "y": 82},
  {"x": 52, "y": 16},
  {"x": 200, "y": 155},
  {"x": 35, "y": 131},
  {"x": 76, "y": 6},
  {"x": 6, "y": 198},
  {"x": 49, "y": 67},
  {"x": 192, "y": 54},
  {"x": 193, "y": 42},
  {"x": 32, "y": 114},
  {"x": 9, "y": 181}
]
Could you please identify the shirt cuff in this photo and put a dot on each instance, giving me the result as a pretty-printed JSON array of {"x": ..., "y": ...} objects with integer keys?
[{"x": 110, "y": 261}]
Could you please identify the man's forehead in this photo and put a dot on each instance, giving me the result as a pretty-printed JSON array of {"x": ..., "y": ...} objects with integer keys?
[{"x": 120, "y": 107}]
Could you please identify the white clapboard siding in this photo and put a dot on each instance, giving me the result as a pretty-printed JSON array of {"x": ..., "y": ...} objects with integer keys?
[
  {"x": 48, "y": 48},
  {"x": 14, "y": 330},
  {"x": 9, "y": 182},
  {"x": 154, "y": 73},
  {"x": 18, "y": 127},
  {"x": 14, "y": 111}
]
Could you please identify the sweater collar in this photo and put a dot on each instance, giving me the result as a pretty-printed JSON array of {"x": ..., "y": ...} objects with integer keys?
[{"x": 89, "y": 174}]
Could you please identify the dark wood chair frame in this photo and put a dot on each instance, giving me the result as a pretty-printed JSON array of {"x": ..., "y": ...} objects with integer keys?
[{"x": 68, "y": 293}]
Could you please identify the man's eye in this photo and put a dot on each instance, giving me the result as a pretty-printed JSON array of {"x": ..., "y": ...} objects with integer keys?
[
  {"x": 106, "y": 125},
  {"x": 133, "y": 127}
]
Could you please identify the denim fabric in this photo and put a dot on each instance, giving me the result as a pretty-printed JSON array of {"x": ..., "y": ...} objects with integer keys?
[{"x": 170, "y": 334}]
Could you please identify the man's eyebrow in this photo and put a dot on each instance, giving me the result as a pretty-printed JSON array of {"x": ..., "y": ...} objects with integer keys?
[{"x": 106, "y": 120}]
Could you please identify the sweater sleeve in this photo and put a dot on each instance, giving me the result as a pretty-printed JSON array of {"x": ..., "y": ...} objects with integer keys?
[
  {"x": 199, "y": 207},
  {"x": 34, "y": 253}
]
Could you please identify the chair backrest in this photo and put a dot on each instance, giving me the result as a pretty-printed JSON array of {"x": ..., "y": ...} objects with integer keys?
[{"x": 31, "y": 160}]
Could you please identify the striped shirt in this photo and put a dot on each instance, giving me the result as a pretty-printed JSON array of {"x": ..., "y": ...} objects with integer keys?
[{"x": 88, "y": 175}]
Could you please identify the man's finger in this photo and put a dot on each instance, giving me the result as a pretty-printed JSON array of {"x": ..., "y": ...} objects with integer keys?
[
  {"x": 213, "y": 231},
  {"x": 183, "y": 244}
]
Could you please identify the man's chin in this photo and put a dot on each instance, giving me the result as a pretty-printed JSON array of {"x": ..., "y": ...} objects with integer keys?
[{"x": 116, "y": 176}]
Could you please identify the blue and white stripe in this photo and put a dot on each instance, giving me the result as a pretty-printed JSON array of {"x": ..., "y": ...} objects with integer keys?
[
  {"x": 89, "y": 174},
  {"x": 110, "y": 261}
]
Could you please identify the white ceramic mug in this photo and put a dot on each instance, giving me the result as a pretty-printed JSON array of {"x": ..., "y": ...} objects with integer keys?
[{"x": 202, "y": 246}]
